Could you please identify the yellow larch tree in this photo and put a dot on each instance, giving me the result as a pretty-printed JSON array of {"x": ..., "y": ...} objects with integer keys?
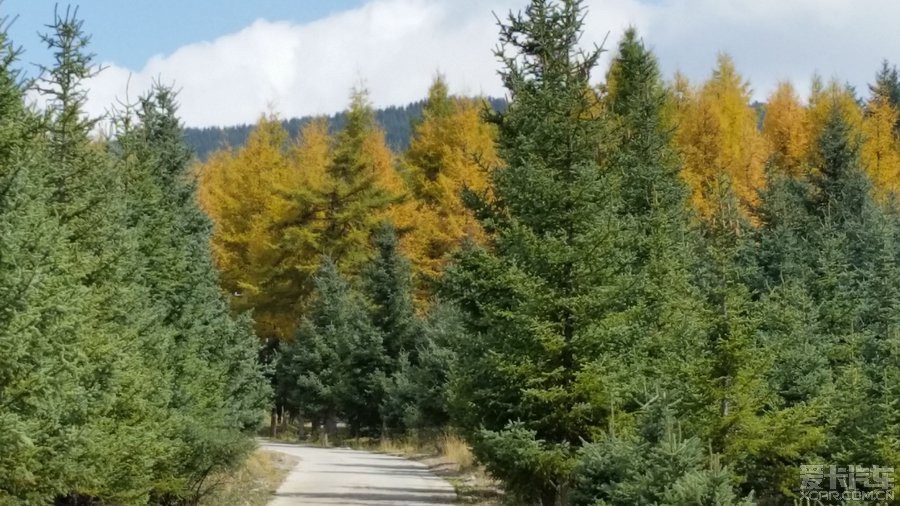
[
  {"x": 718, "y": 138},
  {"x": 260, "y": 205},
  {"x": 787, "y": 131},
  {"x": 452, "y": 150},
  {"x": 312, "y": 152},
  {"x": 881, "y": 149}
]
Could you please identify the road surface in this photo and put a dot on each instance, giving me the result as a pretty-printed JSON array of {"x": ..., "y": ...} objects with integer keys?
[{"x": 345, "y": 477}]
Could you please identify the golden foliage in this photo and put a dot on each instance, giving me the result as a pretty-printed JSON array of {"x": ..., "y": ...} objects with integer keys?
[
  {"x": 278, "y": 207},
  {"x": 786, "y": 129},
  {"x": 252, "y": 195},
  {"x": 718, "y": 138},
  {"x": 880, "y": 149},
  {"x": 452, "y": 150}
]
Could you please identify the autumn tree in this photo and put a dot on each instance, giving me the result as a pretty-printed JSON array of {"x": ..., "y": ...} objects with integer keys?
[
  {"x": 452, "y": 150},
  {"x": 881, "y": 145},
  {"x": 786, "y": 131},
  {"x": 263, "y": 203},
  {"x": 718, "y": 137}
]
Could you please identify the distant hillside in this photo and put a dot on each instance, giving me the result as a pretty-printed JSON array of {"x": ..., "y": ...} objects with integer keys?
[{"x": 396, "y": 120}]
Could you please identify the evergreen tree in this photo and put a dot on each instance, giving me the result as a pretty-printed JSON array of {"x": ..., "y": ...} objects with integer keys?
[
  {"x": 387, "y": 282},
  {"x": 526, "y": 299},
  {"x": 855, "y": 272},
  {"x": 335, "y": 364},
  {"x": 642, "y": 308},
  {"x": 431, "y": 376},
  {"x": 119, "y": 337},
  {"x": 217, "y": 388},
  {"x": 419, "y": 351},
  {"x": 825, "y": 268},
  {"x": 361, "y": 186},
  {"x": 130, "y": 347},
  {"x": 307, "y": 373},
  {"x": 657, "y": 466},
  {"x": 41, "y": 365},
  {"x": 887, "y": 86}
]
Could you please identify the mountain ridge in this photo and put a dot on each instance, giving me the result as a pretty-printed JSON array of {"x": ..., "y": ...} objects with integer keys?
[{"x": 397, "y": 121}]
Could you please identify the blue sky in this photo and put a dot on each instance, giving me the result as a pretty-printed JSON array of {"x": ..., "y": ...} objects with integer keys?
[
  {"x": 129, "y": 32},
  {"x": 233, "y": 60}
]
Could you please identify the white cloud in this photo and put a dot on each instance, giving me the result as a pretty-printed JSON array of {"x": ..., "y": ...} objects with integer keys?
[{"x": 396, "y": 46}]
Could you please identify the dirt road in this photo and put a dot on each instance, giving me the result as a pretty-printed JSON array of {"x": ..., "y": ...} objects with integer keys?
[{"x": 345, "y": 477}]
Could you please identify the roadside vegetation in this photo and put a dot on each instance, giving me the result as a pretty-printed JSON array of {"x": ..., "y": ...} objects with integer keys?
[
  {"x": 250, "y": 484},
  {"x": 618, "y": 290}
]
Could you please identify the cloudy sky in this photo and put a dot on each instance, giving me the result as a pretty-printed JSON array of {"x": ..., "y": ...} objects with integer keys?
[{"x": 234, "y": 59}]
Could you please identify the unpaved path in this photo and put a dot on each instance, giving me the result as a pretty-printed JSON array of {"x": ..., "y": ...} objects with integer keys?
[{"x": 345, "y": 477}]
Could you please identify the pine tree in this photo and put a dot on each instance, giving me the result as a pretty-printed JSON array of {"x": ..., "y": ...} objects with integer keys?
[
  {"x": 41, "y": 366},
  {"x": 826, "y": 267},
  {"x": 361, "y": 186},
  {"x": 419, "y": 352},
  {"x": 525, "y": 298},
  {"x": 307, "y": 372},
  {"x": 387, "y": 282},
  {"x": 119, "y": 336},
  {"x": 856, "y": 269},
  {"x": 887, "y": 86},
  {"x": 642, "y": 307},
  {"x": 207, "y": 426},
  {"x": 657, "y": 466},
  {"x": 431, "y": 376},
  {"x": 335, "y": 364},
  {"x": 758, "y": 437}
]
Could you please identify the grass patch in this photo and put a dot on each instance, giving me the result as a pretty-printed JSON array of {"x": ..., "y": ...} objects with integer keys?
[{"x": 253, "y": 483}]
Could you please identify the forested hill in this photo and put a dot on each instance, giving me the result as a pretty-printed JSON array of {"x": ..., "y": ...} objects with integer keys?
[{"x": 396, "y": 121}]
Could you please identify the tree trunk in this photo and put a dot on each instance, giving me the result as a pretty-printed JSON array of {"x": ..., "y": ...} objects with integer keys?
[
  {"x": 330, "y": 427},
  {"x": 301, "y": 427},
  {"x": 273, "y": 423},
  {"x": 548, "y": 496}
]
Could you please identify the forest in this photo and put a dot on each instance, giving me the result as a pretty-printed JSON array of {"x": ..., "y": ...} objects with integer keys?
[
  {"x": 647, "y": 291},
  {"x": 396, "y": 121},
  {"x": 124, "y": 376}
]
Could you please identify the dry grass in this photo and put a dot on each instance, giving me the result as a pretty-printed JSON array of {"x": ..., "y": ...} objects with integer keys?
[
  {"x": 253, "y": 483},
  {"x": 456, "y": 450}
]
